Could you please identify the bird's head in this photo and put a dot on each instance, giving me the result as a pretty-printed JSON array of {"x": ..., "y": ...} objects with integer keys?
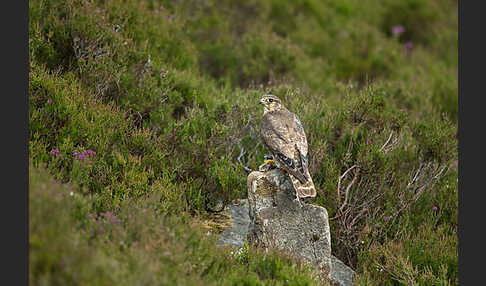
[{"x": 270, "y": 103}]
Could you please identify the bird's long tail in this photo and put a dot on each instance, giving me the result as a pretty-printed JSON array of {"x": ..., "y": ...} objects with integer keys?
[{"x": 303, "y": 190}]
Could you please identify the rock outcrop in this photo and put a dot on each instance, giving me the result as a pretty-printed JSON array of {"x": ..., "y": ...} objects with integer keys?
[
  {"x": 271, "y": 217},
  {"x": 278, "y": 220},
  {"x": 341, "y": 274},
  {"x": 236, "y": 234}
]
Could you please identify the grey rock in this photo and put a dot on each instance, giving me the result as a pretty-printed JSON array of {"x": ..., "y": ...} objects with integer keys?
[
  {"x": 235, "y": 235},
  {"x": 341, "y": 274},
  {"x": 278, "y": 220},
  {"x": 272, "y": 191}
]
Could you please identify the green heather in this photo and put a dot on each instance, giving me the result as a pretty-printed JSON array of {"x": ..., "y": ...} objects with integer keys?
[{"x": 166, "y": 92}]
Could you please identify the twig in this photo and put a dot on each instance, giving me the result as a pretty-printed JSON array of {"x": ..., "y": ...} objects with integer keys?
[
  {"x": 340, "y": 215},
  {"x": 389, "y": 138},
  {"x": 356, "y": 217},
  {"x": 242, "y": 153},
  {"x": 342, "y": 177},
  {"x": 346, "y": 193},
  {"x": 415, "y": 177},
  {"x": 440, "y": 172},
  {"x": 348, "y": 170},
  {"x": 420, "y": 190}
]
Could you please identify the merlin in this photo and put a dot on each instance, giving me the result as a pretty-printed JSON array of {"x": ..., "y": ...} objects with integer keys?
[{"x": 282, "y": 133}]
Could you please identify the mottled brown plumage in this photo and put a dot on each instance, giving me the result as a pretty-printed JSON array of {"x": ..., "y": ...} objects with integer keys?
[{"x": 283, "y": 134}]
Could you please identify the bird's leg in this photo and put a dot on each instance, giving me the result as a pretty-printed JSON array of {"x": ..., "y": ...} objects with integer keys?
[
  {"x": 280, "y": 167},
  {"x": 268, "y": 164}
]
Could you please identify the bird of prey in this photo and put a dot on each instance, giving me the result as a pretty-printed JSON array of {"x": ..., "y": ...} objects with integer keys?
[{"x": 283, "y": 134}]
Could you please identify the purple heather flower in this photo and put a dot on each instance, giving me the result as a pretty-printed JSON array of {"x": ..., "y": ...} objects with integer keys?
[
  {"x": 387, "y": 218},
  {"x": 49, "y": 101},
  {"x": 435, "y": 208},
  {"x": 397, "y": 30},
  {"x": 75, "y": 154},
  {"x": 90, "y": 215},
  {"x": 409, "y": 45}
]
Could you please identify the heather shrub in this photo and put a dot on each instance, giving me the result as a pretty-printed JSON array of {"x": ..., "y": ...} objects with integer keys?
[
  {"x": 151, "y": 107},
  {"x": 72, "y": 243}
]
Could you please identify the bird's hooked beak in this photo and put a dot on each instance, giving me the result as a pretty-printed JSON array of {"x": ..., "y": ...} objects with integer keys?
[{"x": 261, "y": 101}]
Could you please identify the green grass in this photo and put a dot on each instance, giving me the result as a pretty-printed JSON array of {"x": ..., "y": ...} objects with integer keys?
[
  {"x": 165, "y": 93},
  {"x": 139, "y": 245}
]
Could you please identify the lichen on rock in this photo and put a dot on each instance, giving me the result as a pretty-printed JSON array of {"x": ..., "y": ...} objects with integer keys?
[
  {"x": 273, "y": 218},
  {"x": 278, "y": 220}
]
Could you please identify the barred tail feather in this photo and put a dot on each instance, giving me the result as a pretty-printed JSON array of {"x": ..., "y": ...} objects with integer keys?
[{"x": 303, "y": 189}]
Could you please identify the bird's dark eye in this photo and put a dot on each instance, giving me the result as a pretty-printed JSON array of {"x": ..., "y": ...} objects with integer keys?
[{"x": 270, "y": 100}]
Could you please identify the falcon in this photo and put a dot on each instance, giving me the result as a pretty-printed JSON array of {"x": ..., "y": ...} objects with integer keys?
[{"x": 283, "y": 134}]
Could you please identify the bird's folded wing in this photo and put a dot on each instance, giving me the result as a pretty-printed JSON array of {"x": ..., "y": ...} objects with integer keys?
[{"x": 283, "y": 134}]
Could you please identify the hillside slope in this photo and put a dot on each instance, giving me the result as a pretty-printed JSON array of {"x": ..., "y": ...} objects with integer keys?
[{"x": 156, "y": 101}]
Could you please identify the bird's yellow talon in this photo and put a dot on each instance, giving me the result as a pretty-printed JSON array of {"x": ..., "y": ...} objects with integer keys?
[{"x": 269, "y": 162}]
